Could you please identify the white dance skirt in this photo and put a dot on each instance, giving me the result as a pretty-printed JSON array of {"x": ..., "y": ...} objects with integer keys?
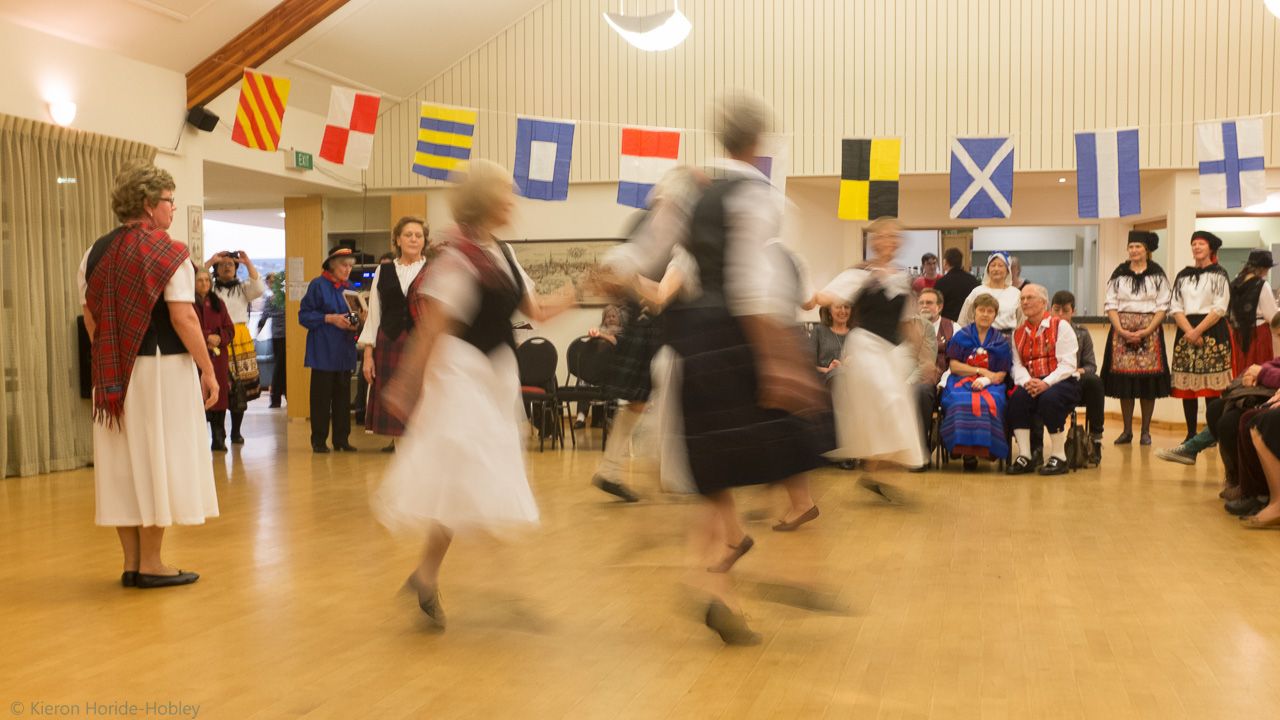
[
  {"x": 874, "y": 406},
  {"x": 461, "y": 459},
  {"x": 664, "y": 406},
  {"x": 155, "y": 469}
]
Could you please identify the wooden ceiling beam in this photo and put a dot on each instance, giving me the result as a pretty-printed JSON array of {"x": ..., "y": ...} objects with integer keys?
[{"x": 270, "y": 34}]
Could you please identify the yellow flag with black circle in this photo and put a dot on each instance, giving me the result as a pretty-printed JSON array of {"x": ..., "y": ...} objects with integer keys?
[{"x": 869, "y": 178}]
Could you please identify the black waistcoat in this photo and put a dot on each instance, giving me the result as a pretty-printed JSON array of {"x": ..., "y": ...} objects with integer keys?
[
  {"x": 396, "y": 317},
  {"x": 499, "y": 298},
  {"x": 707, "y": 237},
  {"x": 160, "y": 333}
]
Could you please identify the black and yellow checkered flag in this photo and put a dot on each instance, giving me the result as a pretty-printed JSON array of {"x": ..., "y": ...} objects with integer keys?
[{"x": 869, "y": 178}]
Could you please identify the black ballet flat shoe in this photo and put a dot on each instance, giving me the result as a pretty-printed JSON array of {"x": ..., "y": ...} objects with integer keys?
[
  {"x": 615, "y": 488},
  {"x": 738, "y": 551},
  {"x": 867, "y": 483},
  {"x": 129, "y": 578},
  {"x": 1125, "y": 438},
  {"x": 1146, "y": 439},
  {"x": 807, "y": 516},
  {"x": 147, "y": 582},
  {"x": 731, "y": 627},
  {"x": 389, "y": 448},
  {"x": 428, "y": 601},
  {"x": 320, "y": 449},
  {"x": 345, "y": 447},
  {"x": 970, "y": 463},
  {"x": 237, "y": 439}
]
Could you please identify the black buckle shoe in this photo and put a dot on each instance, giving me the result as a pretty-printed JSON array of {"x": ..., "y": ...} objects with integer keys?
[
  {"x": 1055, "y": 466},
  {"x": 1020, "y": 466}
]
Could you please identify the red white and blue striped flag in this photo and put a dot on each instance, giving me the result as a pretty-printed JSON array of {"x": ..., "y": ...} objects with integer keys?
[{"x": 646, "y": 156}]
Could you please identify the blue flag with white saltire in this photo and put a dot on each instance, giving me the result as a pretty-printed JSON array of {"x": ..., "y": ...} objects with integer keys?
[
  {"x": 1107, "y": 179},
  {"x": 982, "y": 177},
  {"x": 1232, "y": 171},
  {"x": 544, "y": 149}
]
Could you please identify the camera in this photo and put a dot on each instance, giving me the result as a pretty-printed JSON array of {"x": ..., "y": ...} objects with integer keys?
[
  {"x": 353, "y": 318},
  {"x": 234, "y": 255}
]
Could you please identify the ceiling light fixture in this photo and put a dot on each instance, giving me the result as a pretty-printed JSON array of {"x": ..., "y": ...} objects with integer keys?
[
  {"x": 660, "y": 31},
  {"x": 62, "y": 112},
  {"x": 1273, "y": 6},
  {"x": 1062, "y": 179}
]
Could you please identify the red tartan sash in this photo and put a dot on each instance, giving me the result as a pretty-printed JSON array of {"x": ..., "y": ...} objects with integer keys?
[
  {"x": 122, "y": 290},
  {"x": 979, "y": 396},
  {"x": 1038, "y": 352}
]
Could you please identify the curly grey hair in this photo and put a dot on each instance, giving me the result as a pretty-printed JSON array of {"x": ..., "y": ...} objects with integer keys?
[{"x": 139, "y": 183}]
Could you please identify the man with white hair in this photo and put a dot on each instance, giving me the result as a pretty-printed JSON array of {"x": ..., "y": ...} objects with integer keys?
[{"x": 1044, "y": 369}]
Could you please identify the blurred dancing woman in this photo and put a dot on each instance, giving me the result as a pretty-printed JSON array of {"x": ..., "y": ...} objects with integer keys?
[
  {"x": 460, "y": 464},
  {"x": 151, "y": 466},
  {"x": 746, "y": 374}
]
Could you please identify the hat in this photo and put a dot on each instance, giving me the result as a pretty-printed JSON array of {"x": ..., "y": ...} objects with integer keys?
[
  {"x": 1260, "y": 258},
  {"x": 1214, "y": 241},
  {"x": 1150, "y": 239},
  {"x": 336, "y": 253}
]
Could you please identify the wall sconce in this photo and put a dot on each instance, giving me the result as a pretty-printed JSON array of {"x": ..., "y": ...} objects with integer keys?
[
  {"x": 62, "y": 112},
  {"x": 660, "y": 31}
]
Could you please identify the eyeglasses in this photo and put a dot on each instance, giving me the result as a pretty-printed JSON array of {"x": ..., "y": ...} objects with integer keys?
[{"x": 169, "y": 200}]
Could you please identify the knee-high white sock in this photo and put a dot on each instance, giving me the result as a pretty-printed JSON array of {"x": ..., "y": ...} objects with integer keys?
[
  {"x": 619, "y": 441},
  {"x": 1023, "y": 436},
  {"x": 1059, "y": 440}
]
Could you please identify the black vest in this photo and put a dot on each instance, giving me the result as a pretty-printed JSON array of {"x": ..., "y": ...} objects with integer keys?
[
  {"x": 396, "y": 317},
  {"x": 491, "y": 326},
  {"x": 707, "y": 237},
  {"x": 160, "y": 333}
]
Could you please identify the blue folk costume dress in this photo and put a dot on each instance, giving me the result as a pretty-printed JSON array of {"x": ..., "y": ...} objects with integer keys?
[{"x": 973, "y": 422}]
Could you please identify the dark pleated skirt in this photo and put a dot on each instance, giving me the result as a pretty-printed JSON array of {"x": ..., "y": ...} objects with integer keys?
[
  {"x": 386, "y": 358},
  {"x": 731, "y": 440},
  {"x": 629, "y": 377}
]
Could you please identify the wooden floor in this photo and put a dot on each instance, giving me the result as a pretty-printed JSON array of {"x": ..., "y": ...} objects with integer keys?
[{"x": 1113, "y": 593}]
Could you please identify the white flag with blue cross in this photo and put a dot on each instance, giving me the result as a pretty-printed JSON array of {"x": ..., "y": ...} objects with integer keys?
[{"x": 1231, "y": 163}]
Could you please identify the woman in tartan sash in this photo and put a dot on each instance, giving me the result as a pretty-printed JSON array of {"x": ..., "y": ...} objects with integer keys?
[{"x": 152, "y": 467}]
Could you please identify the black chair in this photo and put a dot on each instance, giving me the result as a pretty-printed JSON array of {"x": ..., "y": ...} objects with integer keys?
[
  {"x": 588, "y": 359},
  {"x": 537, "y": 359}
]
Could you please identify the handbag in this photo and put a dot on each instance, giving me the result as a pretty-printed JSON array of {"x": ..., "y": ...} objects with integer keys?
[
  {"x": 237, "y": 402},
  {"x": 1246, "y": 397},
  {"x": 1078, "y": 447}
]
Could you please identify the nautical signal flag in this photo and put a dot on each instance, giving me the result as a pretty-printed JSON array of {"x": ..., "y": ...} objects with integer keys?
[
  {"x": 445, "y": 134},
  {"x": 544, "y": 149},
  {"x": 348, "y": 136},
  {"x": 647, "y": 155},
  {"x": 1107, "y": 180},
  {"x": 261, "y": 111},
  {"x": 1232, "y": 170},
  {"x": 982, "y": 177},
  {"x": 869, "y": 178},
  {"x": 771, "y": 158}
]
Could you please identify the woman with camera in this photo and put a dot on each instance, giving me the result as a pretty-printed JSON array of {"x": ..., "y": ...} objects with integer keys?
[
  {"x": 236, "y": 294},
  {"x": 331, "y": 350}
]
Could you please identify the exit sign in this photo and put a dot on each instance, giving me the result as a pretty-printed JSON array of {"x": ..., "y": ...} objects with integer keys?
[{"x": 299, "y": 160}]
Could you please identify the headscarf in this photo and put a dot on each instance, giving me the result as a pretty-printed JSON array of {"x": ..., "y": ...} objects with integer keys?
[{"x": 1007, "y": 264}]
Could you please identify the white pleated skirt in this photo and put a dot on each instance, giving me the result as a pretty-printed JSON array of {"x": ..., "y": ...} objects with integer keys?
[
  {"x": 461, "y": 459},
  {"x": 875, "y": 410},
  {"x": 155, "y": 467}
]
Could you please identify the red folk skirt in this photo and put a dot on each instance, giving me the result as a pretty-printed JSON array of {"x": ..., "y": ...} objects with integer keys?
[
  {"x": 386, "y": 358},
  {"x": 1260, "y": 350}
]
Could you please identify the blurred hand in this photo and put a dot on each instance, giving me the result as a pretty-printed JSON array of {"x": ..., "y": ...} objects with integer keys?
[
  {"x": 338, "y": 321},
  {"x": 369, "y": 372},
  {"x": 213, "y": 341},
  {"x": 209, "y": 387},
  {"x": 593, "y": 332}
]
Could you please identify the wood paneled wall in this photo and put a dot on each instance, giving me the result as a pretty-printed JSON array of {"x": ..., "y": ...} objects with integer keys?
[{"x": 921, "y": 69}]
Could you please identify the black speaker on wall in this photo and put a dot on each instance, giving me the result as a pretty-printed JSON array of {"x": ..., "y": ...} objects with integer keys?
[{"x": 202, "y": 118}]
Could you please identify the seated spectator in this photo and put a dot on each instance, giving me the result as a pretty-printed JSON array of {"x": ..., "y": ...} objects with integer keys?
[
  {"x": 978, "y": 357},
  {"x": 941, "y": 330},
  {"x": 1092, "y": 392},
  {"x": 1265, "y": 433},
  {"x": 610, "y": 326},
  {"x": 929, "y": 268},
  {"x": 828, "y": 338},
  {"x": 924, "y": 378},
  {"x": 1044, "y": 370}
]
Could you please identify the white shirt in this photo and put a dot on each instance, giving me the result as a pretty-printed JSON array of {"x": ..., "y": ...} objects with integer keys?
[
  {"x": 455, "y": 283},
  {"x": 1199, "y": 296},
  {"x": 1065, "y": 351},
  {"x": 1153, "y": 297},
  {"x": 237, "y": 299},
  {"x": 753, "y": 215},
  {"x": 405, "y": 274},
  {"x": 850, "y": 284},
  {"x": 1266, "y": 303},
  {"x": 1010, "y": 314}
]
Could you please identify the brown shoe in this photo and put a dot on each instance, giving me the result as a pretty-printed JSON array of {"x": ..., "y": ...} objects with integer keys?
[
  {"x": 738, "y": 551},
  {"x": 808, "y": 516},
  {"x": 731, "y": 627}
]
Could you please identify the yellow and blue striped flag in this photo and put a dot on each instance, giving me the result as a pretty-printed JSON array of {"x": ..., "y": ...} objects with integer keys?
[{"x": 445, "y": 134}]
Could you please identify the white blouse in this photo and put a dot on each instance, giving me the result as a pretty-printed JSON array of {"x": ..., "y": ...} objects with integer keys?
[
  {"x": 405, "y": 274},
  {"x": 1210, "y": 292},
  {"x": 1266, "y": 304},
  {"x": 850, "y": 283},
  {"x": 455, "y": 283},
  {"x": 1010, "y": 314},
  {"x": 1153, "y": 297},
  {"x": 237, "y": 299}
]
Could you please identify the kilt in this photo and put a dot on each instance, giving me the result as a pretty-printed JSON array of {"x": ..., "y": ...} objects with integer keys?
[
  {"x": 244, "y": 365},
  {"x": 386, "y": 358},
  {"x": 1203, "y": 371},
  {"x": 731, "y": 440},
  {"x": 1136, "y": 371},
  {"x": 629, "y": 376}
]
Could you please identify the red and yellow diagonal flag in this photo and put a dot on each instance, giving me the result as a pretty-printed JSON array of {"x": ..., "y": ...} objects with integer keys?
[{"x": 261, "y": 111}]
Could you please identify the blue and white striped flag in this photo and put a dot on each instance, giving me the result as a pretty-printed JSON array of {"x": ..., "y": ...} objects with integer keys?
[
  {"x": 1107, "y": 181},
  {"x": 1231, "y": 163}
]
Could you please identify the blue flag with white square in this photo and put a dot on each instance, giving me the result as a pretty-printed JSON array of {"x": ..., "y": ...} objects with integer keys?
[
  {"x": 1232, "y": 173},
  {"x": 1107, "y": 179},
  {"x": 982, "y": 177},
  {"x": 544, "y": 149}
]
